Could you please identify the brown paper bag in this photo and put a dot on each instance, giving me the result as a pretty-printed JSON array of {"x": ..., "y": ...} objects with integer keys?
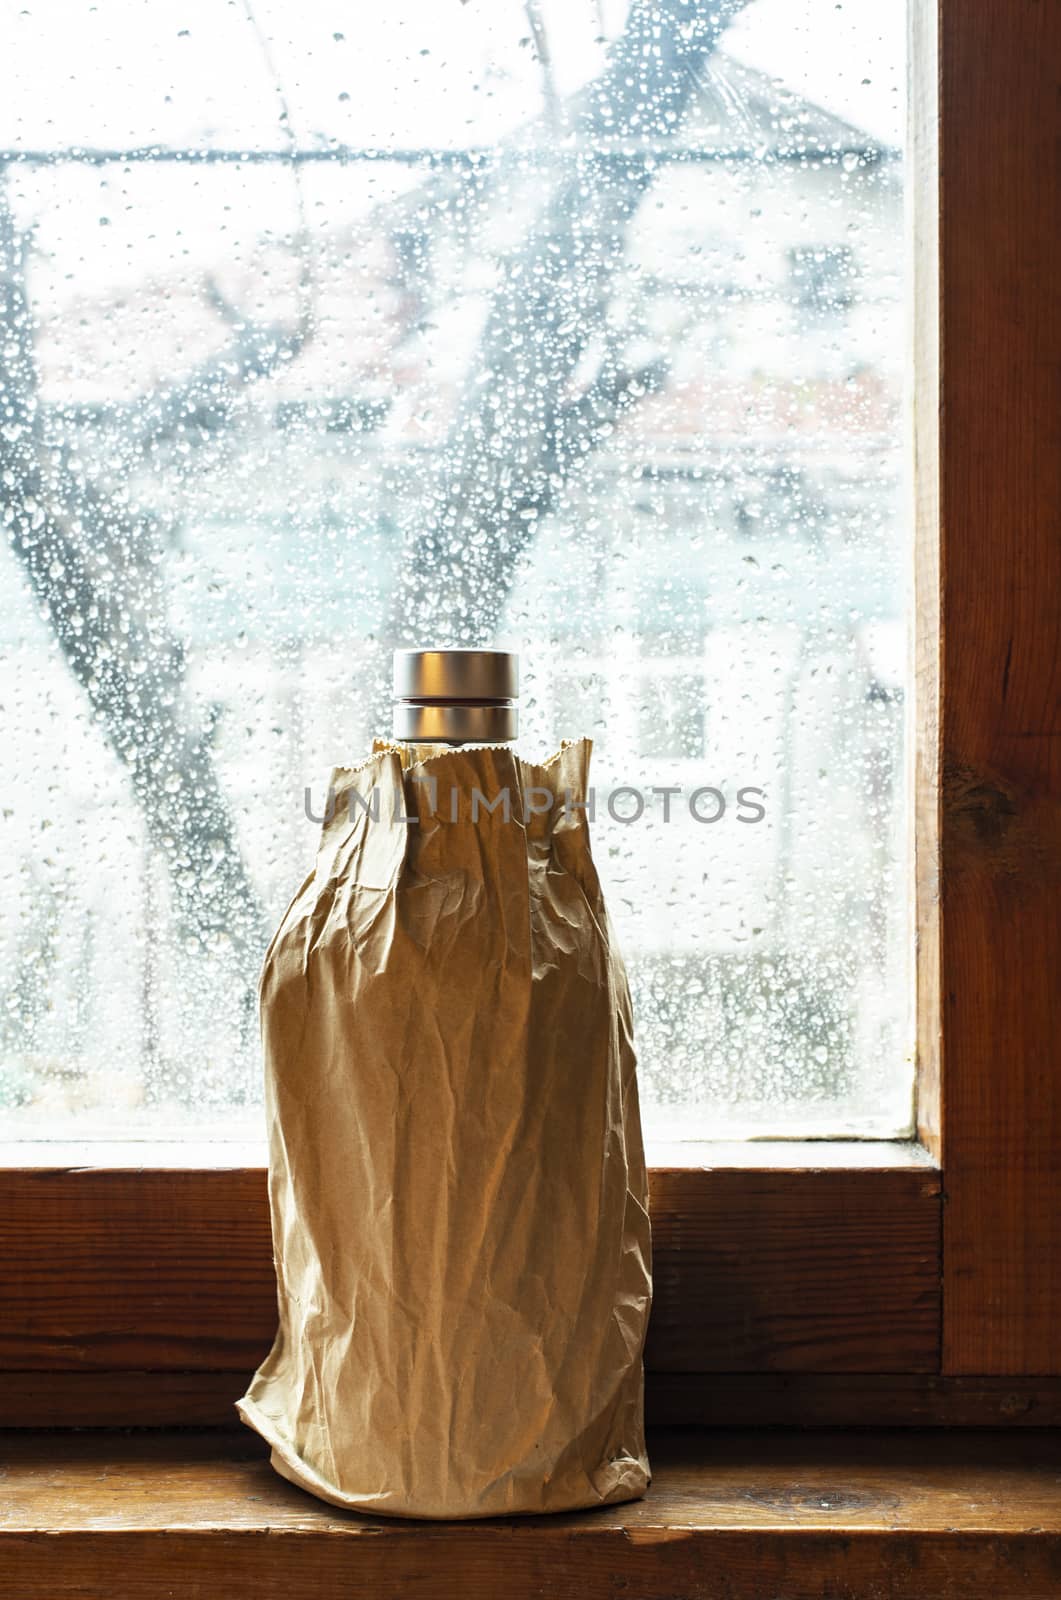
[{"x": 456, "y": 1174}]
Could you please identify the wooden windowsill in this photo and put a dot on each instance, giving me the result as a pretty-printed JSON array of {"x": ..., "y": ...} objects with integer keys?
[
  {"x": 799, "y": 1262},
  {"x": 731, "y": 1514}
]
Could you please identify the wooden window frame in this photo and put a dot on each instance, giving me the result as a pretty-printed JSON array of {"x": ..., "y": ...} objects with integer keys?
[{"x": 794, "y": 1283}]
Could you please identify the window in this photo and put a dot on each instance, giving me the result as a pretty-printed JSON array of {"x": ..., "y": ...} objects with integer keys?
[
  {"x": 446, "y": 327},
  {"x": 823, "y": 278},
  {"x": 671, "y": 712},
  {"x": 795, "y": 1282}
]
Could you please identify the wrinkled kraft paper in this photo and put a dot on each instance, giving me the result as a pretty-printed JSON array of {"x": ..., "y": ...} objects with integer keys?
[{"x": 456, "y": 1173}]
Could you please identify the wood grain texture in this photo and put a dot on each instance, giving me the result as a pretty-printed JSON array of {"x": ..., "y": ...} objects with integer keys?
[
  {"x": 125, "y": 1399},
  {"x": 728, "y": 1516},
  {"x": 924, "y": 356},
  {"x": 1000, "y": 708},
  {"x": 137, "y": 1268},
  {"x": 827, "y": 1271},
  {"x": 837, "y": 1400},
  {"x": 121, "y": 1399},
  {"x": 808, "y": 1269}
]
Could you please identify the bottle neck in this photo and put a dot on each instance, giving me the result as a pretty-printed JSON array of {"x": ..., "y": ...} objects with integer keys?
[{"x": 452, "y": 723}]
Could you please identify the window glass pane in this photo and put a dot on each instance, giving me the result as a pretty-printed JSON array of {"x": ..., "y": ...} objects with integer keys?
[{"x": 571, "y": 324}]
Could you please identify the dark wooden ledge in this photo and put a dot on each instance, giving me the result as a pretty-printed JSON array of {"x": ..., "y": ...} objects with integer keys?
[{"x": 731, "y": 1514}]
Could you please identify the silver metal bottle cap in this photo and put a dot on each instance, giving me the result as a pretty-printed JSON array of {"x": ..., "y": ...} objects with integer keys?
[{"x": 456, "y": 696}]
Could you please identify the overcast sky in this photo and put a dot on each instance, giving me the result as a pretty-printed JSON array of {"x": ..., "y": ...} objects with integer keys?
[{"x": 372, "y": 72}]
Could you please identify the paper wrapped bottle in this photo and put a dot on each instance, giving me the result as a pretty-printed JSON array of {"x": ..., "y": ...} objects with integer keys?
[{"x": 456, "y": 1173}]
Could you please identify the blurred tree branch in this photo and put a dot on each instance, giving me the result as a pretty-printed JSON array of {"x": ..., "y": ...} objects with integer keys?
[
  {"x": 540, "y": 39},
  {"x": 95, "y": 567},
  {"x": 95, "y": 564},
  {"x": 518, "y": 432}
]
